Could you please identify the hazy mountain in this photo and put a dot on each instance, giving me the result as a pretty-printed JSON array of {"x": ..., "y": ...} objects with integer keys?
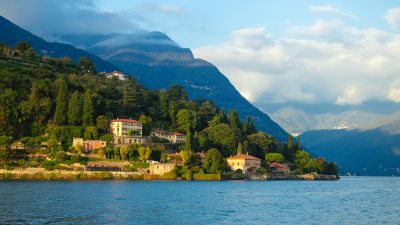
[
  {"x": 298, "y": 121},
  {"x": 158, "y": 62},
  {"x": 11, "y": 34},
  {"x": 371, "y": 149}
]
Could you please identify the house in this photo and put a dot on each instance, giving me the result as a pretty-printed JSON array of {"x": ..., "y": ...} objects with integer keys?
[
  {"x": 244, "y": 162},
  {"x": 172, "y": 137},
  {"x": 202, "y": 155},
  {"x": 279, "y": 168},
  {"x": 117, "y": 74},
  {"x": 160, "y": 168},
  {"x": 127, "y": 131},
  {"x": 88, "y": 145},
  {"x": 121, "y": 127}
]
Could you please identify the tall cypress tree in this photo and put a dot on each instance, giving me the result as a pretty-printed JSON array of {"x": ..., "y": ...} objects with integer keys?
[
  {"x": 75, "y": 109},
  {"x": 87, "y": 109},
  {"x": 233, "y": 118},
  {"x": 189, "y": 141},
  {"x": 290, "y": 142},
  {"x": 60, "y": 116},
  {"x": 251, "y": 129},
  {"x": 245, "y": 128}
]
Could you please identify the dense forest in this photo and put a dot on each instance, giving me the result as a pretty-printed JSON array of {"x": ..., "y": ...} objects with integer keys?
[{"x": 51, "y": 99}]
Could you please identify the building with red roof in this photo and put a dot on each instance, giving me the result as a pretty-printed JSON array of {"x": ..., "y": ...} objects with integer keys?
[{"x": 244, "y": 162}]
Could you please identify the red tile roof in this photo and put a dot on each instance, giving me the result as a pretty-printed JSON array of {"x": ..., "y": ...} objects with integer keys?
[
  {"x": 244, "y": 156},
  {"x": 125, "y": 121},
  {"x": 278, "y": 165}
]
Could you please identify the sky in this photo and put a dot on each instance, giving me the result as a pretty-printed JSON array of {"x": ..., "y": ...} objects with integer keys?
[{"x": 340, "y": 53}]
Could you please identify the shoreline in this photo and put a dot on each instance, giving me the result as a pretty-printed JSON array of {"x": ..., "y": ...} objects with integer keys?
[{"x": 42, "y": 174}]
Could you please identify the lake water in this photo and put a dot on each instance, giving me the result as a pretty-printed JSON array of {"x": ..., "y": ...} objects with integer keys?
[{"x": 351, "y": 200}]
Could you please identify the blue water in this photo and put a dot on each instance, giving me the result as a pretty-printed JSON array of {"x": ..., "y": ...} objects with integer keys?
[{"x": 355, "y": 200}]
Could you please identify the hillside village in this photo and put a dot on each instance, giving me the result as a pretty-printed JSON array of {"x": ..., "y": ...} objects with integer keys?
[{"x": 61, "y": 116}]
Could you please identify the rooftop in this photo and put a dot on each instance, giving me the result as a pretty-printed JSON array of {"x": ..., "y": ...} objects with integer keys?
[
  {"x": 125, "y": 120},
  {"x": 161, "y": 131},
  {"x": 244, "y": 156},
  {"x": 278, "y": 165}
]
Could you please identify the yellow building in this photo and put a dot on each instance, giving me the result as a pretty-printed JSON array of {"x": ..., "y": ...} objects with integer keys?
[
  {"x": 244, "y": 162},
  {"x": 120, "y": 127}
]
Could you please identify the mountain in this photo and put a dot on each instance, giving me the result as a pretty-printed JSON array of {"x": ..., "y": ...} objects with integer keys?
[
  {"x": 11, "y": 34},
  {"x": 297, "y": 121},
  {"x": 373, "y": 148},
  {"x": 158, "y": 62}
]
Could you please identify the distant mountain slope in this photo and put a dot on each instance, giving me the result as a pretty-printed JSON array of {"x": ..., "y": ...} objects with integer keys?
[
  {"x": 372, "y": 149},
  {"x": 11, "y": 34},
  {"x": 297, "y": 121},
  {"x": 158, "y": 62}
]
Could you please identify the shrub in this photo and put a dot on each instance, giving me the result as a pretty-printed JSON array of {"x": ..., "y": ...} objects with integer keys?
[{"x": 201, "y": 176}]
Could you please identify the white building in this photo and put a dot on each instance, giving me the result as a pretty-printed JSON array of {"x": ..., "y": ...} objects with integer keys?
[
  {"x": 172, "y": 137},
  {"x": 117, "y": 74},
  {"x": 121, "y": 127}
]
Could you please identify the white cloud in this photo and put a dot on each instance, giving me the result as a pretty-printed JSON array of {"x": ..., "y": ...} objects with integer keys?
[
  {"x": 356, "y": 66},
  {"x": 393, "y": 17},
  {"x": 328, "y": 9},
  {"x": 171, "y": 10}
]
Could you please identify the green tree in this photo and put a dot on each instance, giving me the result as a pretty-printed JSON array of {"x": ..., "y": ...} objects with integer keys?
[
  {"x": 233, "y": 118},
  {"x": 144, "y": 153},
  {"x": 251, "y": 129},
  {"x": 86, "y": 64},
  {"x": 189, "y": 141},
  {"x": 102, "y": 124},
  {"x": 87, "y": 109},
  {"x": 274, "y": 157},
  {"x": 297, "y": 145},
  {"x": 146, "y": 123},
  {"x": 164, "y": 105},
  {"x": 185, "y": 155},
  {"x": 187, "y": 120},
  {"x": 290, "y": 142},
  {"x": 302, "y": 159},
  {"x": 23, "y": 46},
  {"x": 223, "y": 137},
  {"x": 133, "y": 99},
  {"x": 194, "y": 160},
  {"x": 123, "y": 151},
  {"x": 75, "y": 109},
  {"x": 239, "y": 149},
  {"x": 90, "y": 133},
  {"x": 5, "y": 150},
  {"x": 8, "y": 112},
  {"x": 60, "y": 115},
  {"x": 214, "y": 162},
  {"x": 206, "y": 112}
]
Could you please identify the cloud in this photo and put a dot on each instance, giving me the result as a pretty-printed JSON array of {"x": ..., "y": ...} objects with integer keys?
[
  {"x": 393, "y": 17},
  {"x": 171, "y": 10},
  {"x": 328, "y": 9},
  {"x": 307, "y": 66},
  {"x": 64, "y": 17}
]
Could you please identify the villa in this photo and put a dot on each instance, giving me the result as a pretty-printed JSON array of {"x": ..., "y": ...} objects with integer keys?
[
  {"x": 279, "y": 168},
  {"x": 117, "y": 74},
  {"x": 244, "y": 162},
  {"x": 127, "y": 131},
  {"x": 88, "y": 145},
  {"x": 172, "y": 137}
]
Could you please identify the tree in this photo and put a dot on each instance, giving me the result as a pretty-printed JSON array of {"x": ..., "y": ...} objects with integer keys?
[
  {"x": 244, "y": 127},
  {"x": 239, "y": 149},
  {"x": 90, "y": 133},
  {"x": 302, "y": 159},
  {"x": 75, "y": 109},
  {"x": 214, "y": 162},
  {"x": 233, "y": 118},
  {"x": 223, "y": 137},
  {"x": 176, "y": 93},
  {"x": 5, "y": 150},
  {"x": 251, "y": 129},
  {"x": 60, "y": 115},
  {"x": 187, "y": 120},
  {"x": 146, "y": 123},
  {"x": 332, "y": 169},
  {"x": 144, "y": 153},
  {"x": 274, "y": 157},
  {"x": 193, "y": 161},
  {"x": 123, "y": 151},
  {"x": 133, "y": 99},
  {"x": 87, "y": 109},
  {"x": 258, "y": 144},
  {"x": 185, "y": 155},
  {"x": 189, "y": 141},
  {"x": 321, "y": 165},
  {"x": 86, "y": 64},
  {"x": 290, "y": 142},
  {"x": 297, "y": 145},
  {"x": 102, "y": 124},
  {"x": 22, "y": 46},
  {"x": 164, "y": 105},
  {"x": 8, "y": 112},
  {"x": 206, "y": 112}
]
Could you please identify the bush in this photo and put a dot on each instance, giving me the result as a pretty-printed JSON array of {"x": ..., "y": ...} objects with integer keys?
[
  {"x": 49, "y": 164},
  {"x": 21, "y": 162},
  {"x": 201, "y": 176},
  {"x": 60, "y": 156}
]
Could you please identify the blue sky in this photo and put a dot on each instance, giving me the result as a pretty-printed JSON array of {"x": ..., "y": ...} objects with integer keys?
[{"x": 338, "y": 53}]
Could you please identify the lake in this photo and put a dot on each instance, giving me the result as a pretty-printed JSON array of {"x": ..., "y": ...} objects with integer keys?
[{"x": 350, "y": 200}]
